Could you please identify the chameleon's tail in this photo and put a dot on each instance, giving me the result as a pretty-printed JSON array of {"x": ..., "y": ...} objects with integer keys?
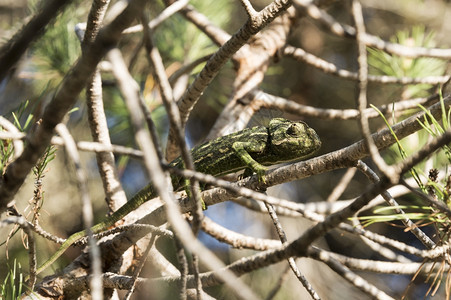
[{"x": 142, "y": 196}]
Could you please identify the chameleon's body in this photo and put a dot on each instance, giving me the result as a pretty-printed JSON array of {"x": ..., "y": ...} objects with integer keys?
[{"x": 251, "y": 148}]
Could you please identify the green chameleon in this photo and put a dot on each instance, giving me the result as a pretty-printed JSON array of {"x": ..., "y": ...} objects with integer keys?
[{"x": 251, "y": 148}]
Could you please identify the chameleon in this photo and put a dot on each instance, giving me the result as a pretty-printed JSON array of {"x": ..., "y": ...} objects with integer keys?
[{"x": 251, "y": 148}]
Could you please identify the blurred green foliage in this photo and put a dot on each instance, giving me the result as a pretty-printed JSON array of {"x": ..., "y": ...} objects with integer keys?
[
  {"x": 53, "y": 55},
  {"x": 180, "y": 41},
  {"x": 382, "y": 63},
  {"x": 21, "y": 118},
  {"x": 436, "y": 187},
  {"x": 12, "y": 286}
]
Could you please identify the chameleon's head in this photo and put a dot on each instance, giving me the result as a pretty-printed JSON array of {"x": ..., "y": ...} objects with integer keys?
[{"x": 292, "y": 140}]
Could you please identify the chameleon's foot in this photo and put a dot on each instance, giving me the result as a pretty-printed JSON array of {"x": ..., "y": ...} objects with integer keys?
[{"x": 261, "y": 170}]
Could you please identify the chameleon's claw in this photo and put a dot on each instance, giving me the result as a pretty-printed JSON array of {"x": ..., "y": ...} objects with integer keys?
[{"x": 261, "y": 174}]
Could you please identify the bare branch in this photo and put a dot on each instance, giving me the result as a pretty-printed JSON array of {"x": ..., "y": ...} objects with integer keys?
[
  {"x": 164, "y": 15},
  {"x": 341, "y": 30},
  {"x": 216, "y": 34},
  {"x": 71, "y": 149},
  {"x": 347, "y": 274},
  {"x": 10, "y": 128},
  {"x": 362, "y": 98},
  {"x": 291, "y": 261},
  {"x": 82, "y": 145},
  {"x": 391, "y": 201},
  {"x": 329, "y": 68},
  {"x": 289, "y": 106},
  {"x": 114, "y": 194}
]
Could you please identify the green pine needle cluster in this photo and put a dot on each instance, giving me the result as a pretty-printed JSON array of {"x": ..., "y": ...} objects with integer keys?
[{"x": 382, "y": 63}]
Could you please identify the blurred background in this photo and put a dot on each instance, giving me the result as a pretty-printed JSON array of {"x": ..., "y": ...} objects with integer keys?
[{"x": 33, "y": 82}]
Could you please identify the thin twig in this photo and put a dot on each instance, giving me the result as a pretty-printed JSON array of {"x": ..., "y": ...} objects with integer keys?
[
  {"x": 236, "y": 240},
  {"x": 152, "y": 128},
  {"x": 98, "y": 148},
  {"x": 270, "y": 101},
  {"x": 26, "y": 226},
  {"x": 164, "y": 15},
  {"x": 330, "y": 68},
  {"x": 88, "y": 216},
  {"x": 131, "y": 94},
  {"x": 347, "y": 274},
  {"x": 441, "y": 206},
  {"x": 215, "y": 33},
  {"x": 187, "y": 68},
  {"x": 391, "y": 201},
  {"x": 384, "y": 267},
  {"x": 291, "y": 261},
  {"x": 48, "y": 236},
  {"x": 362, "y": 98},
  {"x": 196, "y": 272},
  {"x": 183, "y": 267},
  {"x": 347, "y": 31},
  {"x": 10, "y": 128},
  {"x": 176, "y": 125},
  {"x": 133, "y": 228},
  {"x": 168, "y": 269},
  {"x": 139, "y": 268}
]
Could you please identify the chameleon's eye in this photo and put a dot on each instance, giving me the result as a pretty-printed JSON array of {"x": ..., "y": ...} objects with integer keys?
[{"x": 295, "y": 129}]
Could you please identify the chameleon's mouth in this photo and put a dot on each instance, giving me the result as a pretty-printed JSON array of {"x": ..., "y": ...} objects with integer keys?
[{"x": 315, "y": 138}]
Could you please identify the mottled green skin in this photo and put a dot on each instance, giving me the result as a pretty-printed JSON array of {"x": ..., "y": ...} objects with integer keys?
[
  {"x": 281, "y": 141},
  {"x": 251, "y": 148}
]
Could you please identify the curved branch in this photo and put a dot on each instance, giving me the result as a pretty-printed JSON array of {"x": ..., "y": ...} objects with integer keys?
[
  {"x": 329, "y": 68},
  {"x": 270, "y": 101}
]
